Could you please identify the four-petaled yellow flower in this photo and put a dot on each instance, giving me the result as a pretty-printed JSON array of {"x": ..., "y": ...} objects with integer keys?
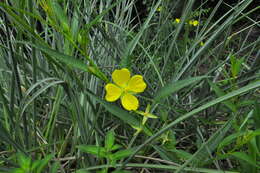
[{"x": 124, "y": 88}]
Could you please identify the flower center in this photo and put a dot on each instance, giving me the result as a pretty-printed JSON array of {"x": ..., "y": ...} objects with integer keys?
[{"x": 125, "y": 88}]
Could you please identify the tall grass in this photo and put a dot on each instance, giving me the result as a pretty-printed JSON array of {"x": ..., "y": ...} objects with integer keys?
[{"x": 202, "y": 83}]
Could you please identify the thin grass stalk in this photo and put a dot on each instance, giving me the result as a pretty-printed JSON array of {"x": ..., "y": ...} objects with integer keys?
[
  {"x": 14, "y": 81},
  {"x": 157, "y": 166},
  {"x": 16, "y": 87},
  {"x": 34, "y": 67},
  {"x": 184, "y": 16}
]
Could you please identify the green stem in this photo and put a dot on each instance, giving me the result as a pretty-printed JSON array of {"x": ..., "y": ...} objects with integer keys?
[
  {"x": 34, "y": 63},
  {"x": 157, "y": 166}
]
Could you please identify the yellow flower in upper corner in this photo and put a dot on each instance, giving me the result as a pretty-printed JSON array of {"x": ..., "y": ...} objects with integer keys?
[
  {"x": 124, "y": 88},
  {"x": 177, "y": 20}
]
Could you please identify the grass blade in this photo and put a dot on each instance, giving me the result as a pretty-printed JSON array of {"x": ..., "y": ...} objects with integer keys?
[{"x": 174, "y": 87}]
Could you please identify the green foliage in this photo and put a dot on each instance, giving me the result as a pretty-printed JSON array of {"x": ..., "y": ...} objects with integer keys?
[
  {"x": 26, "y": 164},
  {"x": 175, "y": 86},
  {"x": 199, "y": 112},
  {"x": 108, "y": 151}
]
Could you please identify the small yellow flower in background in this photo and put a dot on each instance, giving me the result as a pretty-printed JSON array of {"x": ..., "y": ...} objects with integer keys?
[
  {"x": 177, "y": 20},
  {"x": 194, "y": 22},
  {"x": 124, "y": 88},
  {"x": 146, "y": 114},
  {"x": 201, "y": 43},
  {"x": 159, "y": 8}
]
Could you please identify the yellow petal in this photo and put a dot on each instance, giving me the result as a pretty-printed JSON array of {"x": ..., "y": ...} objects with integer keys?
[
  {"x": 113, "y": 92},
  {"x": 129, "y": 102},
  {"x": 121, "y": 77},
  {"x": 177, "y": 20},
  {"x": 136, "y": 84},
  {"x": 195, "y": 23}
]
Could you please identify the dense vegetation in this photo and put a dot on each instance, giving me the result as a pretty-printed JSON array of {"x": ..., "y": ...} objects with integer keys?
[{"x": 123, "y": 86}]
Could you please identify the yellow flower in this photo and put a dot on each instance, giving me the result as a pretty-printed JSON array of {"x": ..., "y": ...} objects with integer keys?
[
  {"x": 194, "y": 22},
  {"x": 146, "y": 114},
  {"x": 124, "y": 88},
  {"x": 201, "y": 43},
  {"x": 159, "y": 9},
  {"x": 177, "y": 20}
]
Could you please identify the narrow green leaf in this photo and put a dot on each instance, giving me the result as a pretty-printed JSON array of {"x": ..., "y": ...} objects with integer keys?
[
  {"x": 235, "y": 65},
  {"x": 116, "y": 147},
  {"x": 219, "y": 93},
  {"x": 229, "y": 139},
  {"x": 54, "y": 113},
  {"x": 99, "y": 17},
  {"x": 44, "y": 162},
  {"x": 132, "y": 44},
  {"x": 92, "y": 149},
  {"x": 6, "y": 137},
  {"x": 247, "y": 136},
  {"x": 183, "y": 155},
  {"x": 71, "y": 61},
  {"x": 122, "y": 154},
  {"x": 29, "y": 99},
  {"x": 68, "y": 60},
  {"x": 165, "y": 155},
  {"x": 244, "y": 157},
  {"x": 24, "y": 161},
  {"x": 54, "y": 167},
  {"x": 256, "y": 117},
  {"x": 121, "y": 171},
  {"x": 174, "y": 87},
  {"x": 60, "y": 14},
  {"x": 110, "y": 140}
]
